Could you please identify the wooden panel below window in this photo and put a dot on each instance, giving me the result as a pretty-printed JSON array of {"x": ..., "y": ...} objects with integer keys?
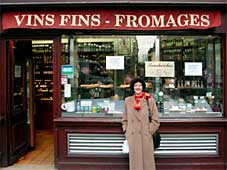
[{"x": 64, "y": 127}]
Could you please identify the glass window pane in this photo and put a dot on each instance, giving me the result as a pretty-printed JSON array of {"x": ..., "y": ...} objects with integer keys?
[{"x": 182, "y": 72}]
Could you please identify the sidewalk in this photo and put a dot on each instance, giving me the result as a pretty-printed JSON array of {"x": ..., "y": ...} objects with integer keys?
[{"x": 29, "y": 167}]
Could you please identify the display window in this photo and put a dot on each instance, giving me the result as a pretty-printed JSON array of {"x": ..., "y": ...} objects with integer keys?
[{"x": 184, "y": 74}]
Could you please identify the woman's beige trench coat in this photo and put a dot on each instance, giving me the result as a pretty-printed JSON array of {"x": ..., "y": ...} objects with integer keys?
[{"x": 138, "y": 132}]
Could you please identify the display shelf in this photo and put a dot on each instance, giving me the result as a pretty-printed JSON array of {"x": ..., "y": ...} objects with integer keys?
[
  {"x": 95, "y": 51},
  {"x": 43, "y": 71},
  {"x": 181, "y": 51}
]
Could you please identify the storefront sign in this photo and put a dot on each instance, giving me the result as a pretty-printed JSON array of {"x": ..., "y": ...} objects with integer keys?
[
  {"x": 159, "y": 69},
  {"x": 113, "y": 20}
]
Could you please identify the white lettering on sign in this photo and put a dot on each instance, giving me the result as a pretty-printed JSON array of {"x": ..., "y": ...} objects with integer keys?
[
  {"x": 35, "y": 20},
  {"x": 80, "y": 20},
  {"x": 182, "y": 20},
  {"x": 116, "y": 20},
  {"x": 48, "y": 20},
  {"x": 119, "y": 20},
  {"x": 171, "y": 22},
  {"x": 64, "y": 19},
  {"x": 157, "y": 22},
  {"x": 145, "y": 21},
  {"x": 205, "y": 20}
]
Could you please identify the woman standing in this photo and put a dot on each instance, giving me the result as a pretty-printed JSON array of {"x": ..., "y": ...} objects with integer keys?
[{"x": 137, "y": 129}]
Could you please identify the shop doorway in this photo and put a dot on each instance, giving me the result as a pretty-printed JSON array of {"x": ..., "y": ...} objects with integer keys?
[
  {"x": 42, "y": 57},
  {"x": 30, "y": 98}
]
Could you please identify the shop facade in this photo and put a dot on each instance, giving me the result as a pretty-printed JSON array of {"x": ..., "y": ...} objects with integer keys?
[{"x": 67, "y": 67}]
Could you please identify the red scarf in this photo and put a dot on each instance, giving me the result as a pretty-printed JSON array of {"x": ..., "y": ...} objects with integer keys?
[{"x": 138, "y": 98}]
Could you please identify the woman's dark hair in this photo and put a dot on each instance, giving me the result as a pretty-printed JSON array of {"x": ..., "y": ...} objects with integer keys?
[{"x": 136, "y": 80}]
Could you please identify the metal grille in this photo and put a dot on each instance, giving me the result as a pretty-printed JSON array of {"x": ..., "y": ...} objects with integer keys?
[
  {"x": 171, "y": 144},
  {"x": 187, "y": 144},
  {"x": 95, "y": 143}
]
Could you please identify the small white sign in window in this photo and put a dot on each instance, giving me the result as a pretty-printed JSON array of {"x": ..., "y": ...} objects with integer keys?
[
  {"x": 193, "y": 68},
  {"x": 115, "y": 62},
  {"x": 67, "y": 90}
]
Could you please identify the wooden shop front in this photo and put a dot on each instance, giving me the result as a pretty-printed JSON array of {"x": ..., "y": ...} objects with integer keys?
[{"x": 74, "y": 64}]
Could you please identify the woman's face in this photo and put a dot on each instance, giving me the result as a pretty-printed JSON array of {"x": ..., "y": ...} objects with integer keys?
[{"x": 138, "y": 88}]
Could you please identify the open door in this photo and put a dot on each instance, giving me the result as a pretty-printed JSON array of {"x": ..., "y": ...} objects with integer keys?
[{"x": 18, "y": 52}]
